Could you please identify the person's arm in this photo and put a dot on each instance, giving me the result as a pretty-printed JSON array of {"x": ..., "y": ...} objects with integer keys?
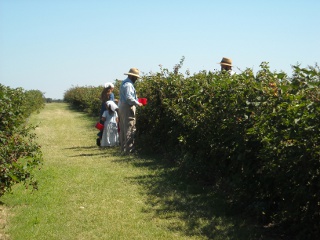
[
  {"x": 111, "y": 97},
  {"x": 130, "y": 95},
  {"x": 104, "y": 116}
]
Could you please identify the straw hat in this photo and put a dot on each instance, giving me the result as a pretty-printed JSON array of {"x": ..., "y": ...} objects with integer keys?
[
  {"x": 226, "y": 61},
  {"x": 133, "y": 72}
]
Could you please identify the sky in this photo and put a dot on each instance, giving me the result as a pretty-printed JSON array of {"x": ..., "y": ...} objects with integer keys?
[{"x": 55, "y": 45}]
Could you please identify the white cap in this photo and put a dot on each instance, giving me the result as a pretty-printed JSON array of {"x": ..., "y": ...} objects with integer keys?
[
  {"x": 108, "y": 84},
  {"x": 112, "y": 105}
]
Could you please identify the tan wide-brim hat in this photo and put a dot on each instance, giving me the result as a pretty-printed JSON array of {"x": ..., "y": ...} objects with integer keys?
[
  {"x": 226, "y": 61},
  {"x": 133, "y": 72}
]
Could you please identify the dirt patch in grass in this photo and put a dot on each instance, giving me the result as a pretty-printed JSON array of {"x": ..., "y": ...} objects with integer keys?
[{"x": 3, "y": 222}]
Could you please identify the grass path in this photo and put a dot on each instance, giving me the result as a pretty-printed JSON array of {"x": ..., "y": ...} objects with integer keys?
[{"x": 89, "y": 193}]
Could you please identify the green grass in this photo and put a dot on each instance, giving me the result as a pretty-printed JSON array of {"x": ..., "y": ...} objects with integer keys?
[{"x": 89, "y": 193}]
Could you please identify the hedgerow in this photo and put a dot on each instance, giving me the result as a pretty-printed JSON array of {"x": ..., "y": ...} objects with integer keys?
[
  {"x": 254, "y": 136},
  {"x": 19, "y": 153},
  {"x": 86, "y": 99},
  {"x": 35, "y": 101}
]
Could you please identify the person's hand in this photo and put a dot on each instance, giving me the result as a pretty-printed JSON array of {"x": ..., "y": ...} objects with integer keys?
[{"x": 140, "y": 104}]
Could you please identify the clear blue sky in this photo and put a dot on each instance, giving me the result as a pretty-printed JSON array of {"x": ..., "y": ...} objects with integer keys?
[{"x": 52, "y": 45}]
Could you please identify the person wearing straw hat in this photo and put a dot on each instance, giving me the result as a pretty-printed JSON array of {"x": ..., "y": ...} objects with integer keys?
[
  {"x": 127, "y": 110},
  {"x": 226, "y": 65}
]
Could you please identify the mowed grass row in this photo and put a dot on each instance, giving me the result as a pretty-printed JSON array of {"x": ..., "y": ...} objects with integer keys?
[{"x": 89, "y": 193}]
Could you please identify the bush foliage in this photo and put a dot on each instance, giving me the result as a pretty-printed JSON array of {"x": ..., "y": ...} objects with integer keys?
[
  {"x": 19, "y": 153},
  {"x": 87, "y": 98},
  {"x": 255, "y": 136}
]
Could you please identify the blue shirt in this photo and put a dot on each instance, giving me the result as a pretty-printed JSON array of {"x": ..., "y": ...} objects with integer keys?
[
  {"x": 112, "y": 96},
  {"x": 128, "y": 93}
]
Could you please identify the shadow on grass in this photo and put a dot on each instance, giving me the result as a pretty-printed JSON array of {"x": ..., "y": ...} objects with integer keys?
[
  {"x": 82, "y": 147},
  {"x": 186, "y": 207},
  {"x": 202, "y": 211},
  {"x": 90, "y": 151}
]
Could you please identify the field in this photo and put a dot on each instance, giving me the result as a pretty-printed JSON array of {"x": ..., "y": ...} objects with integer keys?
[{"x": 90, "y": 193}]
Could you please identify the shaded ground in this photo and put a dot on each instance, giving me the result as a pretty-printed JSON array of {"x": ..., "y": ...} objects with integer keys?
[{"x": 202, "y": 209}]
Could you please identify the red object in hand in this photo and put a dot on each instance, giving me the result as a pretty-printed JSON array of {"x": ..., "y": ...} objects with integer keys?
[
  {"x": 99, "y": 126},
  {"x": 143, "y": 101}
]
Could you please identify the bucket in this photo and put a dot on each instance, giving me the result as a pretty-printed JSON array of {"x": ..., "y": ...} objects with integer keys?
[
  {"x": 99, "y": 126},
  {"x": 143, "y": 101}
]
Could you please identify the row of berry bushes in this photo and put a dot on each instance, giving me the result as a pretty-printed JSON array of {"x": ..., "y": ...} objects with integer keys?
[
  {"x": 257, "y": 136},
  {"x": 87, "y": 98},
  {"x": 19, "y": 153},
  {"x": 254, "y": 135}
]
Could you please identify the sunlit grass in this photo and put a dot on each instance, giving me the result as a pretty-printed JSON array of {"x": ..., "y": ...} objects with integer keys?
[{"x": 89, "y": 193}]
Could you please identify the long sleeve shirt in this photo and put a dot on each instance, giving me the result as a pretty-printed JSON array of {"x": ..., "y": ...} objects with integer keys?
[{"x": 128, "y": 93}]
